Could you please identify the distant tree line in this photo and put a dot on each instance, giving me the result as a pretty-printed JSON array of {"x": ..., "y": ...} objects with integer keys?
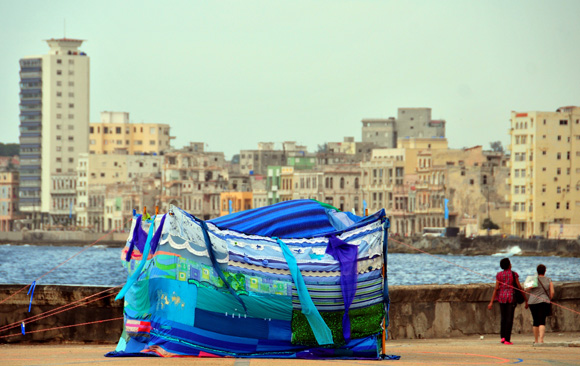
[{"x": 9, "y": 149}]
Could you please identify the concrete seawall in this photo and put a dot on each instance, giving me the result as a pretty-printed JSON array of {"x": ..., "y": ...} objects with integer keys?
[{"x": 422, "y": 311}]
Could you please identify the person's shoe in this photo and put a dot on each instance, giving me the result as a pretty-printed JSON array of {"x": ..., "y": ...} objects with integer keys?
[
  {"x": 502, "y": 340},
  {"x": 508, "y": 343}
]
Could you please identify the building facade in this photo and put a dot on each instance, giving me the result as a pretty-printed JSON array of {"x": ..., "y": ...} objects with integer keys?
[
  {"x": 115, "y": 134},
  {"x": 545, "y": 170},
  {"x": 54, "y": 125}
]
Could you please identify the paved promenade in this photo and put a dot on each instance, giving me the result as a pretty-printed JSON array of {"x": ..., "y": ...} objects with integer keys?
[{"x": 560, "y": 350}]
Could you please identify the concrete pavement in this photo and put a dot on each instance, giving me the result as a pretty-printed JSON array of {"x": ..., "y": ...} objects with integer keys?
[{"x": 560, "y": 349}]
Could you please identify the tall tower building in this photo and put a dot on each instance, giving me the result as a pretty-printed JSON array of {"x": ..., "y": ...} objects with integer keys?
[
  {"x": 545, "y": 171},
  {"x": 54, "y": 130}
]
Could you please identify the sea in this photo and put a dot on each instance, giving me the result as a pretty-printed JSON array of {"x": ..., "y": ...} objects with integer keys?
[{"x": 102, "y": 266}]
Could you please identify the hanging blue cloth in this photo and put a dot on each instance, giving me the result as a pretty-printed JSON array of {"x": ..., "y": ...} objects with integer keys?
[
  {"x": 321, "y": 331},
  {"x": 139, "y": 268},
  {"x": 346, "y": 254},
  {"x": 140, "y": 237},
  {"x": 216, "y": 266}
]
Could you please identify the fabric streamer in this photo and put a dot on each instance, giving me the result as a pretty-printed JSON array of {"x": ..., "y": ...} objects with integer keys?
[
  {"x": 321, "y": 331},
  {"x": 22, "y": 328},
  {"x": 217, "y": 268},
  {"x": 140, "y": 237},
  {"x": 138, "y": 270},
  {"x": 346, "y": 254},
  {"x": 31, "y": 289}
]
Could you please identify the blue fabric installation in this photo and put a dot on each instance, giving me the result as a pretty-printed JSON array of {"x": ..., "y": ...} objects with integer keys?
[
  {"x": 226, "y": 288},
  {"x": 137, "y": 271},
  {"x": 346, "y": 254},
  {"x": 321, "y": 330}
]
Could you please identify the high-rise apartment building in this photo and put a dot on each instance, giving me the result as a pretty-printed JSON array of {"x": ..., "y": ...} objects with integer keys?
[
  {"x": 54, "y": 125},
  {"x": 545, "y": 170},
  {"x": 116, "y": 135}
]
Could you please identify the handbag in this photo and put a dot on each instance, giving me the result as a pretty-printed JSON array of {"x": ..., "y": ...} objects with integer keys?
[
  {"x": 518, "y": 296},
  {"x": 549, "y": 312},
  {"x": 531, "y": 282}
]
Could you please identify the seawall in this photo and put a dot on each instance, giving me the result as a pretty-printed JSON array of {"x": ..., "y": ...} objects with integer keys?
[{"x": 421, "y": 311}]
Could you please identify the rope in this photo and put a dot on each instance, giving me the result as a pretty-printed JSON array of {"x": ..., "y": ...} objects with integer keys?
[
  {"x": 57, "y": 310},
  {"x": 479, "y": 274},
  {"x": 64, "y": 326},
  {"x": 86, "y": 248}
]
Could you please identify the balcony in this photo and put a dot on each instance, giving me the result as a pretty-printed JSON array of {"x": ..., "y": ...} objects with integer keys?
[{"x": 24, "y": 75}]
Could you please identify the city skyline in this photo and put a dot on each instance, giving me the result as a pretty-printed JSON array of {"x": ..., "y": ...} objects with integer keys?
[{"x": 232, "y": 75}]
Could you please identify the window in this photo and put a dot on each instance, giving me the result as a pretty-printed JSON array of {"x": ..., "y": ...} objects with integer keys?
[
  {"x": 71, "y": 160},
  {"x": 557, "y": 205},
  {"x": 59, "y": 61},
  {"x": 71, "y": 94},
  {"x": 71, "y": 138},
  {"x": 71, "y": 116},
  {"x": 71, "y": 83},
  {"x": 58, "y": 160},
  {"x": 558, "y": 156},
  {"x": 59, "y": 83},
  {"x": 71, "y": 127},
  {"x": 58, "y": 94},
  {"x": 58, "y": 105},
  {"x": 58, "y": 137},
  {"x": 71, "y": 62},
  {"x": 58, "y": 148},
  {"x": 71, "y": 72},
  {"x": 567, "y": 205},
  {"x": 568, "y": 155},
  {"x": 117, "y": 130},
  {"x": 543, "y": 188},
  {"x": 563, "y": 122},
  {"x": 558, "y": 190},
  {"x": 152, "y": 130},
  {"x": 516, "y": 189},
  {"x": 59, "y": 72},
  {"x": 151, "y": 142},
  {"x": 71, "y": 148},
  {"x": 71, "y": 105},
  {"x": 559, "y": 138},
  {"x": 558, "y": 171}
]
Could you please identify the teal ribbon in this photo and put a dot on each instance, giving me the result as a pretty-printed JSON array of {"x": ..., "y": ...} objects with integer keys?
[
  {"x": 321, "y": 331},
  {"x": 138, "y": 270}
]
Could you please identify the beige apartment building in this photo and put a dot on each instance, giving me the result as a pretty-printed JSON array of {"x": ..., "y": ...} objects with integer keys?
[
  {"x": 115, "y": 134},
  {"x": 96, "y": 173},
  {"x": 54, "y": 123},
  {"x": 545, "y": 170}
]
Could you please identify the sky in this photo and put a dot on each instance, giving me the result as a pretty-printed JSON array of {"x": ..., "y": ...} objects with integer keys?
[{"x": 235, "y": 73}]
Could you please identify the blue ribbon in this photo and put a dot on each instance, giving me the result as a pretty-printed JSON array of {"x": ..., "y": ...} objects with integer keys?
[
  {"x": 31, "y": 289},
  {"x": 216, "y": 266},
  {"x": 22, "y": 328},
  {"x": 138, "y": 270},
  {"x": 321, "y": 331}
]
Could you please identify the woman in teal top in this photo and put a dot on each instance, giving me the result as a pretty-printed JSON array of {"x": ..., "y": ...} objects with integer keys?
[{"x": 539, "y": 303}]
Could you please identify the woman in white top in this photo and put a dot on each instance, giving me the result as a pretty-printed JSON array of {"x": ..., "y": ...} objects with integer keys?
[{"x": 540, "y": 303}]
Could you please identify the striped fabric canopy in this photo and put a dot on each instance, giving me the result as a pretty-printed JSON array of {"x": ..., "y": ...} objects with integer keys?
[{"x": 289, "y": 219}]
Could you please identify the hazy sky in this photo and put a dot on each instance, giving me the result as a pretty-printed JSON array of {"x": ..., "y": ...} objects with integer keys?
[{"x": 232, "y": 74}]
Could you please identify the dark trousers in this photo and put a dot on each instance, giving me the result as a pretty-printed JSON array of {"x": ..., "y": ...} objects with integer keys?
[{"x": 507, "y": 320}]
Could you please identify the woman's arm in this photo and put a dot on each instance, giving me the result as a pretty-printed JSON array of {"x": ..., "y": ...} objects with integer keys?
[
  {"x": 493, "y": 295},
  {"x": 552, "y": 292}
]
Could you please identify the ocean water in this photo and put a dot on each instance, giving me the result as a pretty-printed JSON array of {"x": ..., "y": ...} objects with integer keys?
[{"x": 101, "y": 266}]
